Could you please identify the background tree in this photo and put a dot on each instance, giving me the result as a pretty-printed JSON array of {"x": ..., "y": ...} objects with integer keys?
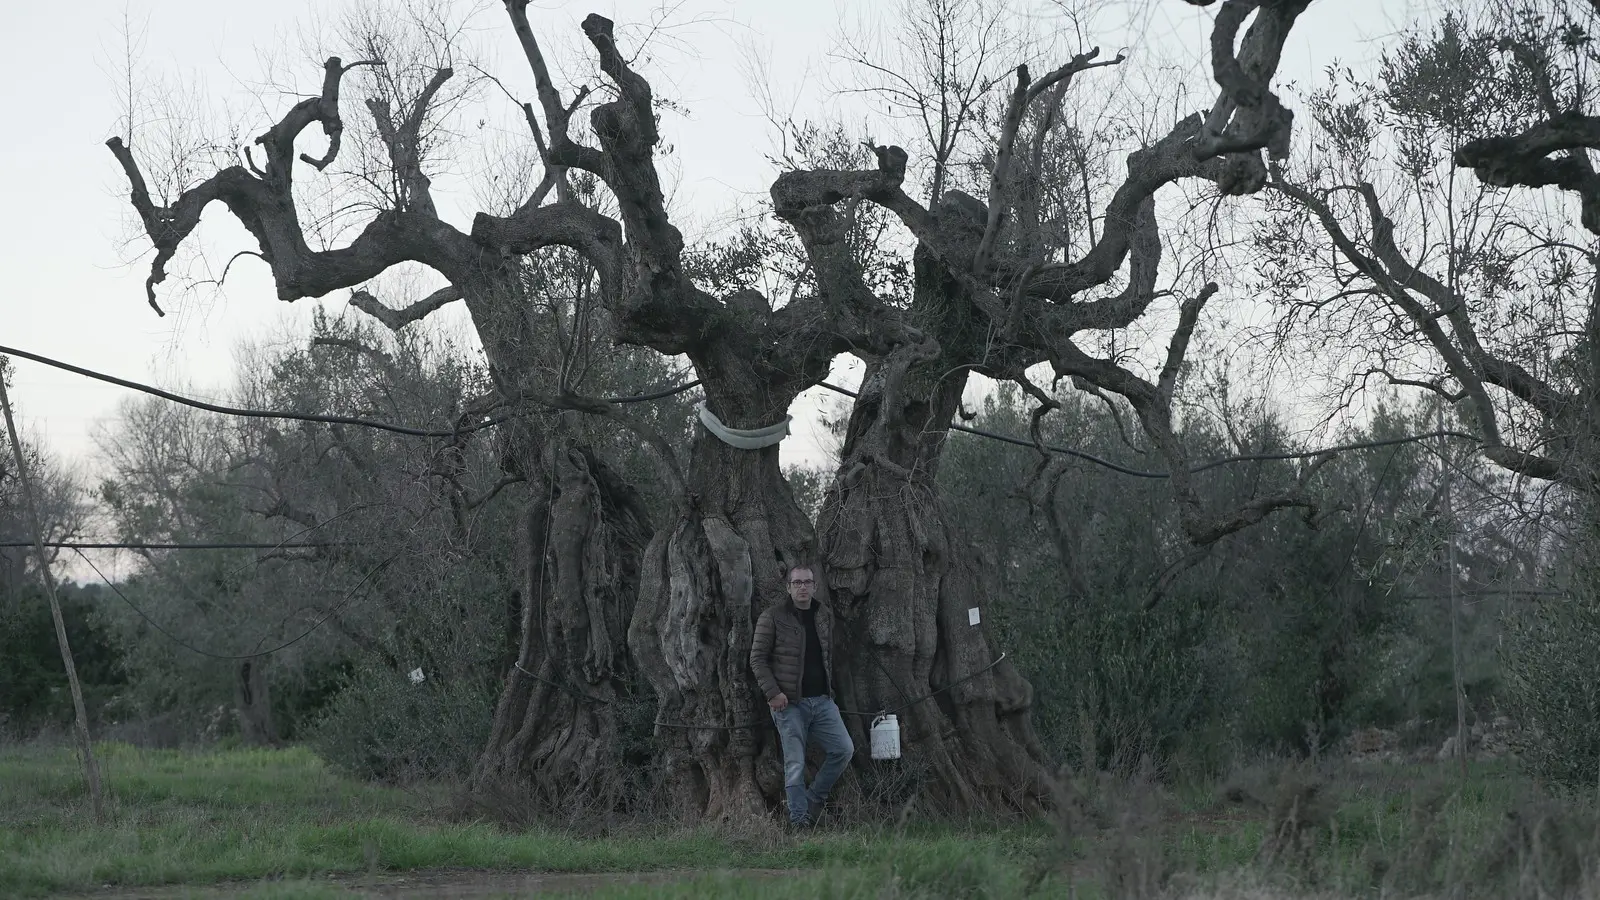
[
  {"x": 64, "y": 512},
  {"x": 182, "y": 476},
  {"x": 30, "y": 658},
  {"x": 1425, "y": 277},
  {"x": 1287, "y": 637}
]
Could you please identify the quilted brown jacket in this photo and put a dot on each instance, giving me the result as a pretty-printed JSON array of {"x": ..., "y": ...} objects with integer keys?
[{"x": 778, "y": 652}]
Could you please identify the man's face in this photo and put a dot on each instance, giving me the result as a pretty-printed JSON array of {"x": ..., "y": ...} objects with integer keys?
[{"x": 801, "y": 584}]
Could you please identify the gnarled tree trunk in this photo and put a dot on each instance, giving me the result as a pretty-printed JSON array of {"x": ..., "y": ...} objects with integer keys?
[
  {"x": 556, "y": 738},
  {"x": 252, "y": 704},
  {"x": 556, "y": 743},
  {"x": 706, "y": 579},
  {"x": 903, "y": 578}
]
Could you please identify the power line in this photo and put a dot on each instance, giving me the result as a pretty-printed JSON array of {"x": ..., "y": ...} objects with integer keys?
[
  {"x": 232, "y": 657},
  {"x": 680, "y": 388},
  {"x": 315, "y": 417},
  {"x": 1202, "y": 467}
]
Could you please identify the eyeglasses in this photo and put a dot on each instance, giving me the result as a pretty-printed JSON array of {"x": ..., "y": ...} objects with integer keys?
[{"x": 806, "y": 581}]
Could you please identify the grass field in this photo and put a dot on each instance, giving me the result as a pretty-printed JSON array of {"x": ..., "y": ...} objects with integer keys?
[{"x": 280, "y": 824}]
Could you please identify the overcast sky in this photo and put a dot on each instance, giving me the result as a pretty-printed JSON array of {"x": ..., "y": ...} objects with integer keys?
[{"x": 71, "y": 293}]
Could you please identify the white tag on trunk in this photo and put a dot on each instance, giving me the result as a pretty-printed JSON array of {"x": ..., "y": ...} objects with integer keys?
[
  {"x": 972, "y": 616},
  {"x": 417, "y": 676}
]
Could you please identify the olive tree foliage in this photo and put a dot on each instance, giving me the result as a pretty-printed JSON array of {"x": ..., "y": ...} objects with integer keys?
[
  {"x": 1439, "y": 233},
  {"x": 674, "y": 599},
  {"x": 63, "y": 509},
  {"x": 1287, "y": 637},
  {"x": 409, "y": 567},
  {"x": 1400, "y": 238}
]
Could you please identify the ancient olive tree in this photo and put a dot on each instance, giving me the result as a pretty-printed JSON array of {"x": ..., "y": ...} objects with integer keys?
[{"x": 986, "y": 296}]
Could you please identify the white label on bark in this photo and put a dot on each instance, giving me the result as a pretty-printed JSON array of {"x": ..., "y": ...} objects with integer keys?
[
  {"x": 417, "y": 676},
  {"x": 972, "y": 616}
]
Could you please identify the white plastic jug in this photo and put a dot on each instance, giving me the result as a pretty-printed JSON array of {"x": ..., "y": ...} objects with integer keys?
[{"x": 886, "y": 737}]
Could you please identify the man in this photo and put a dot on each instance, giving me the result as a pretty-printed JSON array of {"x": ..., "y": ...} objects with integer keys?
[{"x": 792, "y": 657}]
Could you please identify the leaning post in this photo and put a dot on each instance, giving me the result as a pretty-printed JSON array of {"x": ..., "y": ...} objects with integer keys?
[{"x": 91, "y": 771}]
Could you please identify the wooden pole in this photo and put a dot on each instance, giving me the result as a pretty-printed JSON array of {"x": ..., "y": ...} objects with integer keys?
[
  {"x": 1456, "y": 662},
  {"x": 91, "y": 771}
]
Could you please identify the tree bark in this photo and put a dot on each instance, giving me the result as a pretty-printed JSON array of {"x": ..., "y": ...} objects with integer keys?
[
  {"x": 902, "y": 579},
  {"x": 706, "y": 578},
  {"x": 252, "y": 704},
  {"x": 556, "y": 743}
]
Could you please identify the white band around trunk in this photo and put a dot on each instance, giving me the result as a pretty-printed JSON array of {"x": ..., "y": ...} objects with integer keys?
[{"x": 743, "y": 438}]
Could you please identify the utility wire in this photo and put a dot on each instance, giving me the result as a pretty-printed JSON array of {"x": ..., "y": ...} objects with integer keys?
[
  {"x": 680, "y": 388},
  {"x": 1212, "y": 464},
  {"x": 316, "y": 417},
  {"x": 225, "y": 656}
]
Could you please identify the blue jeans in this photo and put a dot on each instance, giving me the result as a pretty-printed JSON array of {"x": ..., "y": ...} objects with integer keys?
[{"x": 801, "y": 720}]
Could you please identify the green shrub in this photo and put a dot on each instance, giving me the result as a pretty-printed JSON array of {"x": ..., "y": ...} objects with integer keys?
[
  {"x": 381, "y": 725},
  {"x": 33, "y": 683},
  {"x": 1553, "y": 683}
]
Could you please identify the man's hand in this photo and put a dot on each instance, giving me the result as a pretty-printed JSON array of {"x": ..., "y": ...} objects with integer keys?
[{"x": 779, "y": 703}]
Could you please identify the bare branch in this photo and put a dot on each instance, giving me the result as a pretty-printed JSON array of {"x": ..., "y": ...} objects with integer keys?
[
  {"x": 491, "y": 493},
  {"x": 403, "y": 140},
  {"x": 1466, "y": 360},
  {"x": 556, "y": 115},
  {"x": 1248, "y": 115},
  {"x": 1452, "y": 306},
  {"x": 1421, "y": 316},
  {"x": 663, "y": 308},
  {"x": 1149, "y": 169},
  {"x": 635, "y": 90},
  {"x": 1524, "y": 160},
  {"x": 1141, "y": 240},
  {"x": 1433, "y": 387},
  {"x": 1188, "y": 317},
  {"x": 264, "y": 204},
  {"x": 356, "y": 346},
  {"x": 397, "y": 319},
  {"x": 222, "y": 279},
  {"x": 278, "y": 141},
  {"x": 798, "y": 190},
  {"x": 1113, "y": 409},
  {"x": 554, "y": 176},
  {"x": 328, "y": 111},
  {"x": 1153, "y": 404},
  {"x": 1022, "y": 97}
]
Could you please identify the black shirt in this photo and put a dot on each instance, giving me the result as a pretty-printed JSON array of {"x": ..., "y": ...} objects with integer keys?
[{"x": 814, "y": 681}]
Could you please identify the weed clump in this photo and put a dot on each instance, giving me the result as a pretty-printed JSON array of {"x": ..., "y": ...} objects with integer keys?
[{"x": 1109, "y": 831}]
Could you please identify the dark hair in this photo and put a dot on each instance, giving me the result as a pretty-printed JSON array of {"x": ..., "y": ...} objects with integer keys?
[{"x": 789, "y": 572}]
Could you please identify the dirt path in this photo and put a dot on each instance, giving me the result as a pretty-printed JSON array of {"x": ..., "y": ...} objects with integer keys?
[{"x": 451, "y": 883}]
